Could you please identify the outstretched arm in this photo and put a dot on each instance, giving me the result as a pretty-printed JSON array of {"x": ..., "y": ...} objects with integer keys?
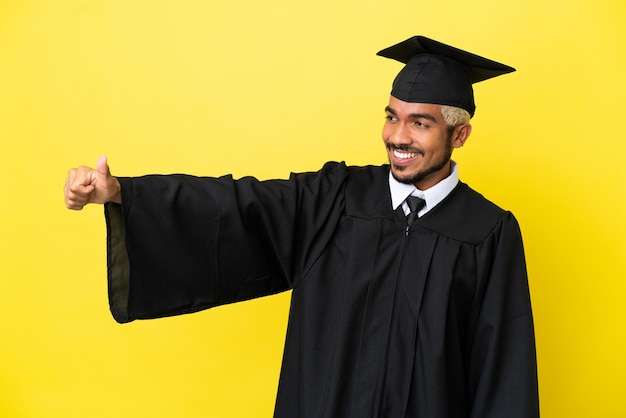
[{"x": 87, "y": 185}]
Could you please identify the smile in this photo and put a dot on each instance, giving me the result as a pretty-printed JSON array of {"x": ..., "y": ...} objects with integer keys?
[{"x": 403, "y": 155}]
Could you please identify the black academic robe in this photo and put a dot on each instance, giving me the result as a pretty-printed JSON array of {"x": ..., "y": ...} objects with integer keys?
[{"x": 432, "y": 322}]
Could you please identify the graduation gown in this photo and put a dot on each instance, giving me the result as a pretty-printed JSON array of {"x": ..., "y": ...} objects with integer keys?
[{"x": 431, "y": 322}]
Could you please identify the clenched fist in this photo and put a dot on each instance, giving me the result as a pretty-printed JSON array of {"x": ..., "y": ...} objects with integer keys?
[{"x": 87, "y": 185}]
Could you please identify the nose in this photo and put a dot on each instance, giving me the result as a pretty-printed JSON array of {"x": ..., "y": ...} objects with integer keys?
[{"x": 397, "y": 134}]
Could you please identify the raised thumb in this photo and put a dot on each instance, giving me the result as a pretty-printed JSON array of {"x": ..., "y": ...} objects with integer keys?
[{"x": 102, "y": 166}]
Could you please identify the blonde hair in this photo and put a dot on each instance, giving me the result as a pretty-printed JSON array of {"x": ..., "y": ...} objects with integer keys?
[{"x": 454, "y": 116}]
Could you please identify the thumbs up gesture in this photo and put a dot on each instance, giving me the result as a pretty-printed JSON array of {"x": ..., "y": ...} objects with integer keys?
[{"x": 87, "y": 185}]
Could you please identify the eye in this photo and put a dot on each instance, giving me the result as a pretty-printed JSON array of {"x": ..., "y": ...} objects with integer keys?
[
  {"x": 420, "y": 124},
  {"x": 391, "y": 118}
]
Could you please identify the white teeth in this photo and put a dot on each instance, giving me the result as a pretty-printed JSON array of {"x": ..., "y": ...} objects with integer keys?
[{"x": 404, "y": 155}]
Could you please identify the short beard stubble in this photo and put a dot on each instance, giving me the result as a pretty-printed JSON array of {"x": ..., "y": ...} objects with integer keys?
[{"x": 421, "y": 175}]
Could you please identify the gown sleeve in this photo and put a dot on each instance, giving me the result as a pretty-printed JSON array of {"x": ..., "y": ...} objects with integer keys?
[
  {"x": 179, "y": 244},
  {"x": 502, "y": 365}
]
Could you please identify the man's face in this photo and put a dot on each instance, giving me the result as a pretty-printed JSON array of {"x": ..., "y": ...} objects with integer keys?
[{"x": 419, "y": 143}]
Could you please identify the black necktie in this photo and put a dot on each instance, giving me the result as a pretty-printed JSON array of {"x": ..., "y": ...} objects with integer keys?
[{"x": 415, "y": 204}]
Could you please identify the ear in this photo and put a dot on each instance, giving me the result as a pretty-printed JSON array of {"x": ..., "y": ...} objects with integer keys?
[{"x": 460, "y": 135}]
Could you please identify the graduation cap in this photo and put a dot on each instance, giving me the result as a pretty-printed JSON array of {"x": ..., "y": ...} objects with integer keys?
[{"x": 438, "y": 73}]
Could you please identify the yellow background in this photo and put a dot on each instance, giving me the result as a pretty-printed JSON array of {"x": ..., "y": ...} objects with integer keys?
[{"x": 265, "y": 88}]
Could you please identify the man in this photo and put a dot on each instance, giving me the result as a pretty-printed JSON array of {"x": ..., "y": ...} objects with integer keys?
[{"x": 425, "y": 315}]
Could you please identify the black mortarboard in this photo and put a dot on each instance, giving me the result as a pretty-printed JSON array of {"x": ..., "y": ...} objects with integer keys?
[{"x": 438, "y": 73}]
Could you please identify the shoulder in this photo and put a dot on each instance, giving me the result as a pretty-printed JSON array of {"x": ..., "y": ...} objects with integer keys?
[
  {"x": 356, "y": 173},
  {"x": 353, "y": 177},
  {"x": 474, "y": 202},
  {"x": 364, "y": 188},
  {"x": 467, "y": 215}
]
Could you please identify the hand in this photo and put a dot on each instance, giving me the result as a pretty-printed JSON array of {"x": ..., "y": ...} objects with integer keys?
[{"x": 87, "y": 185}]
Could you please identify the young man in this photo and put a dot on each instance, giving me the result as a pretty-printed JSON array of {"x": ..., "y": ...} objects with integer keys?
[{"x": 410, "y": 296}]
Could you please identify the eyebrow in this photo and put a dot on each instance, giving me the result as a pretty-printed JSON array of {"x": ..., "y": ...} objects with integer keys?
[{"x": 413, "y": 115}]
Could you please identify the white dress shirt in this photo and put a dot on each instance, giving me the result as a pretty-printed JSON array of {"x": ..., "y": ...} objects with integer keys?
[{"x": 432, "y": 196}]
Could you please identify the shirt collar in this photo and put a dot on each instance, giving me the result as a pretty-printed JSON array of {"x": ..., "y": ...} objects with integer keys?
[{"x": 432, "y": 196}]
